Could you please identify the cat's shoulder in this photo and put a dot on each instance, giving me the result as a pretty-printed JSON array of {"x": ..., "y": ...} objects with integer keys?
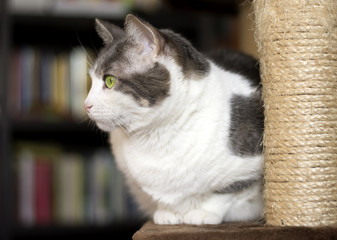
[{"x": 237, "y": 62}]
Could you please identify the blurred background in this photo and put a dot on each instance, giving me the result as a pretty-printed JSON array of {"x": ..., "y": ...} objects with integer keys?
[{"x": 57, "y": 176}]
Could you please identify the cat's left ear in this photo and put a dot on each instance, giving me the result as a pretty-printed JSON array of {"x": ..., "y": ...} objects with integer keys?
[
  {"x": 107, "y": 31},
  {"x": 144, "y": 35}
]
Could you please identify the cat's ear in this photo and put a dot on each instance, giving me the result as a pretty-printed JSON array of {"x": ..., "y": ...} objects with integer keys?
[
  {"x": 108, "y": 31},
  {"x": 144, "y": 35}
]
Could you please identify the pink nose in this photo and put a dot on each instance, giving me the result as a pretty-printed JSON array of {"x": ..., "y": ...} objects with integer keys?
[{"x": 87, "y": 106}]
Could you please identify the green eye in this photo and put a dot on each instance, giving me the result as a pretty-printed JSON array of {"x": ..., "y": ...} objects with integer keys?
[{"x": 109, "y": 81}]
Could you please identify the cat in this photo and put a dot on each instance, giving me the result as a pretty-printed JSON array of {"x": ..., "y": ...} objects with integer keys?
[{"x": 185, "y": 129}]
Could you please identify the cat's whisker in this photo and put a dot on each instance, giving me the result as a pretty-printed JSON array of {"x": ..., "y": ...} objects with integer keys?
[
  {"x": 83, "y": 119},
  {"x": 115, "y": 119},
  {"x": 121, "y": 125},
  {"x": 124, "y": 127},
  {"x": 90, "y": 64},
  {"x": 93, "y": 46},
  {"x": 90, "y": 60},
  {"x": 116, "y": 126},
  {"x": 92, "y": 124}
]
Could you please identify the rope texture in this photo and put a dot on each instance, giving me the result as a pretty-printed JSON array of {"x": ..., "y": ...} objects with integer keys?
[{"x": 297, "y": 43}]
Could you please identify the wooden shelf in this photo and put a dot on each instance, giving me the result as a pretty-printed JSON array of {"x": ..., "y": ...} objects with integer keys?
[
  {"x": 122, "y": 230},
  {"x": 233, "y": 231}
]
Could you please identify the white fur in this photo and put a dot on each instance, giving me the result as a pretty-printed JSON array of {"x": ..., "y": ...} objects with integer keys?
[{"x": 175, "y": 154}]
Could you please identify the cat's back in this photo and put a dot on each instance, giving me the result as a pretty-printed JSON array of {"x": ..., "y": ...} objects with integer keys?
[{"x": 237, "y": 62}]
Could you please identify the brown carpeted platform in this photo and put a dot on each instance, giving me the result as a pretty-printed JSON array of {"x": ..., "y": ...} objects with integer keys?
[{"x": 233, "y": 231}]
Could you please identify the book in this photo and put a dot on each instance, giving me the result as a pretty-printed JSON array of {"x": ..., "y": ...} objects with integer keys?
[
  {"x": 26, "y": 187},
  {"x": 46, "y": 69},
  {"x": 69, "y": 188},
  {"x": 48, "y": 83},
  {"x": 42, "y": 191},
  {"x": 61, "y": 86},
  {"x": 101, "y": 174},
  {"x": 27, "y": 67}
]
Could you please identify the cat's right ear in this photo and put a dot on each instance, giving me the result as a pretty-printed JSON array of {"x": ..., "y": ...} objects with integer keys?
[{"x": 108, "y": 31}]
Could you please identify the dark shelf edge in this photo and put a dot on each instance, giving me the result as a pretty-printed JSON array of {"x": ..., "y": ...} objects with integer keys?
[
  {"x": 122, "y": 228},
  {"x": 53, "y": 126},
  {"x": 79, "y": 135}
]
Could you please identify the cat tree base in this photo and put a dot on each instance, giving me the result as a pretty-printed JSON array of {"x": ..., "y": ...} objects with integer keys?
[{"x": 232, "y": 231}]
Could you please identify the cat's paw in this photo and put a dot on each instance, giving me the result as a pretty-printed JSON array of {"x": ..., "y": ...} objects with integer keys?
[
  {"x": 167, "y": 217},
  {"x": 200, "y": 216}
]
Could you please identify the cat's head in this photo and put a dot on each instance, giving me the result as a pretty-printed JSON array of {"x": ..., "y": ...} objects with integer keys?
[{"x": 138, "y": 75}]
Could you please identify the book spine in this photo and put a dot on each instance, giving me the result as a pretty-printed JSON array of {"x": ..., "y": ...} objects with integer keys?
[
  {"x": 43, "y": 192},
  {"x": 45, "y": 78},
  {"x": 26, "y": 187},
  {"x": 27, "y": 66}
]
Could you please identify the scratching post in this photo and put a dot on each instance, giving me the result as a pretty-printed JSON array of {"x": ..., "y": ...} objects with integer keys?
[{"x": 297, "y": 43}]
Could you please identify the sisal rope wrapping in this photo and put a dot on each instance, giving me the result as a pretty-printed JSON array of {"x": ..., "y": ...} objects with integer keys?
[{"x": 297, "y": 43}]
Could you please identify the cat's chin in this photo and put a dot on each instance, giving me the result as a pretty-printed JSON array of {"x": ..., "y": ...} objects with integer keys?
[{"x": 105, "y": 127}]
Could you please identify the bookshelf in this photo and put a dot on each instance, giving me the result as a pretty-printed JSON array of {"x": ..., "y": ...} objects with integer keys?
[
  {"x": 5, "y": 157},
  {"x": 28, "y": 38}
]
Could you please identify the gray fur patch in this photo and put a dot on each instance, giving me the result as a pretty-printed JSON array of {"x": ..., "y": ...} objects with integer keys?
[
  {"x": 193, "y": 63},
  {"x": 112, "y": 54},
  {"x": 237, "y": 186},
  {"x": 147, "y": 88},
  {"x": 246, "y": 127},
  {"x": 239, "y": 63}
]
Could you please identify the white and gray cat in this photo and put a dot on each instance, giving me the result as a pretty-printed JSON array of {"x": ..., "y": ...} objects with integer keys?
[{"x": 185, "y": 129}]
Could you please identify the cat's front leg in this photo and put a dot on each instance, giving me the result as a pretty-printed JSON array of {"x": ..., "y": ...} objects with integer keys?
[
  {"x": 164, "y": 216},
  {"x": 245, "y": 205},
  {"x": 210, "y": 211},
  {"x": 201, "y": 216}
]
